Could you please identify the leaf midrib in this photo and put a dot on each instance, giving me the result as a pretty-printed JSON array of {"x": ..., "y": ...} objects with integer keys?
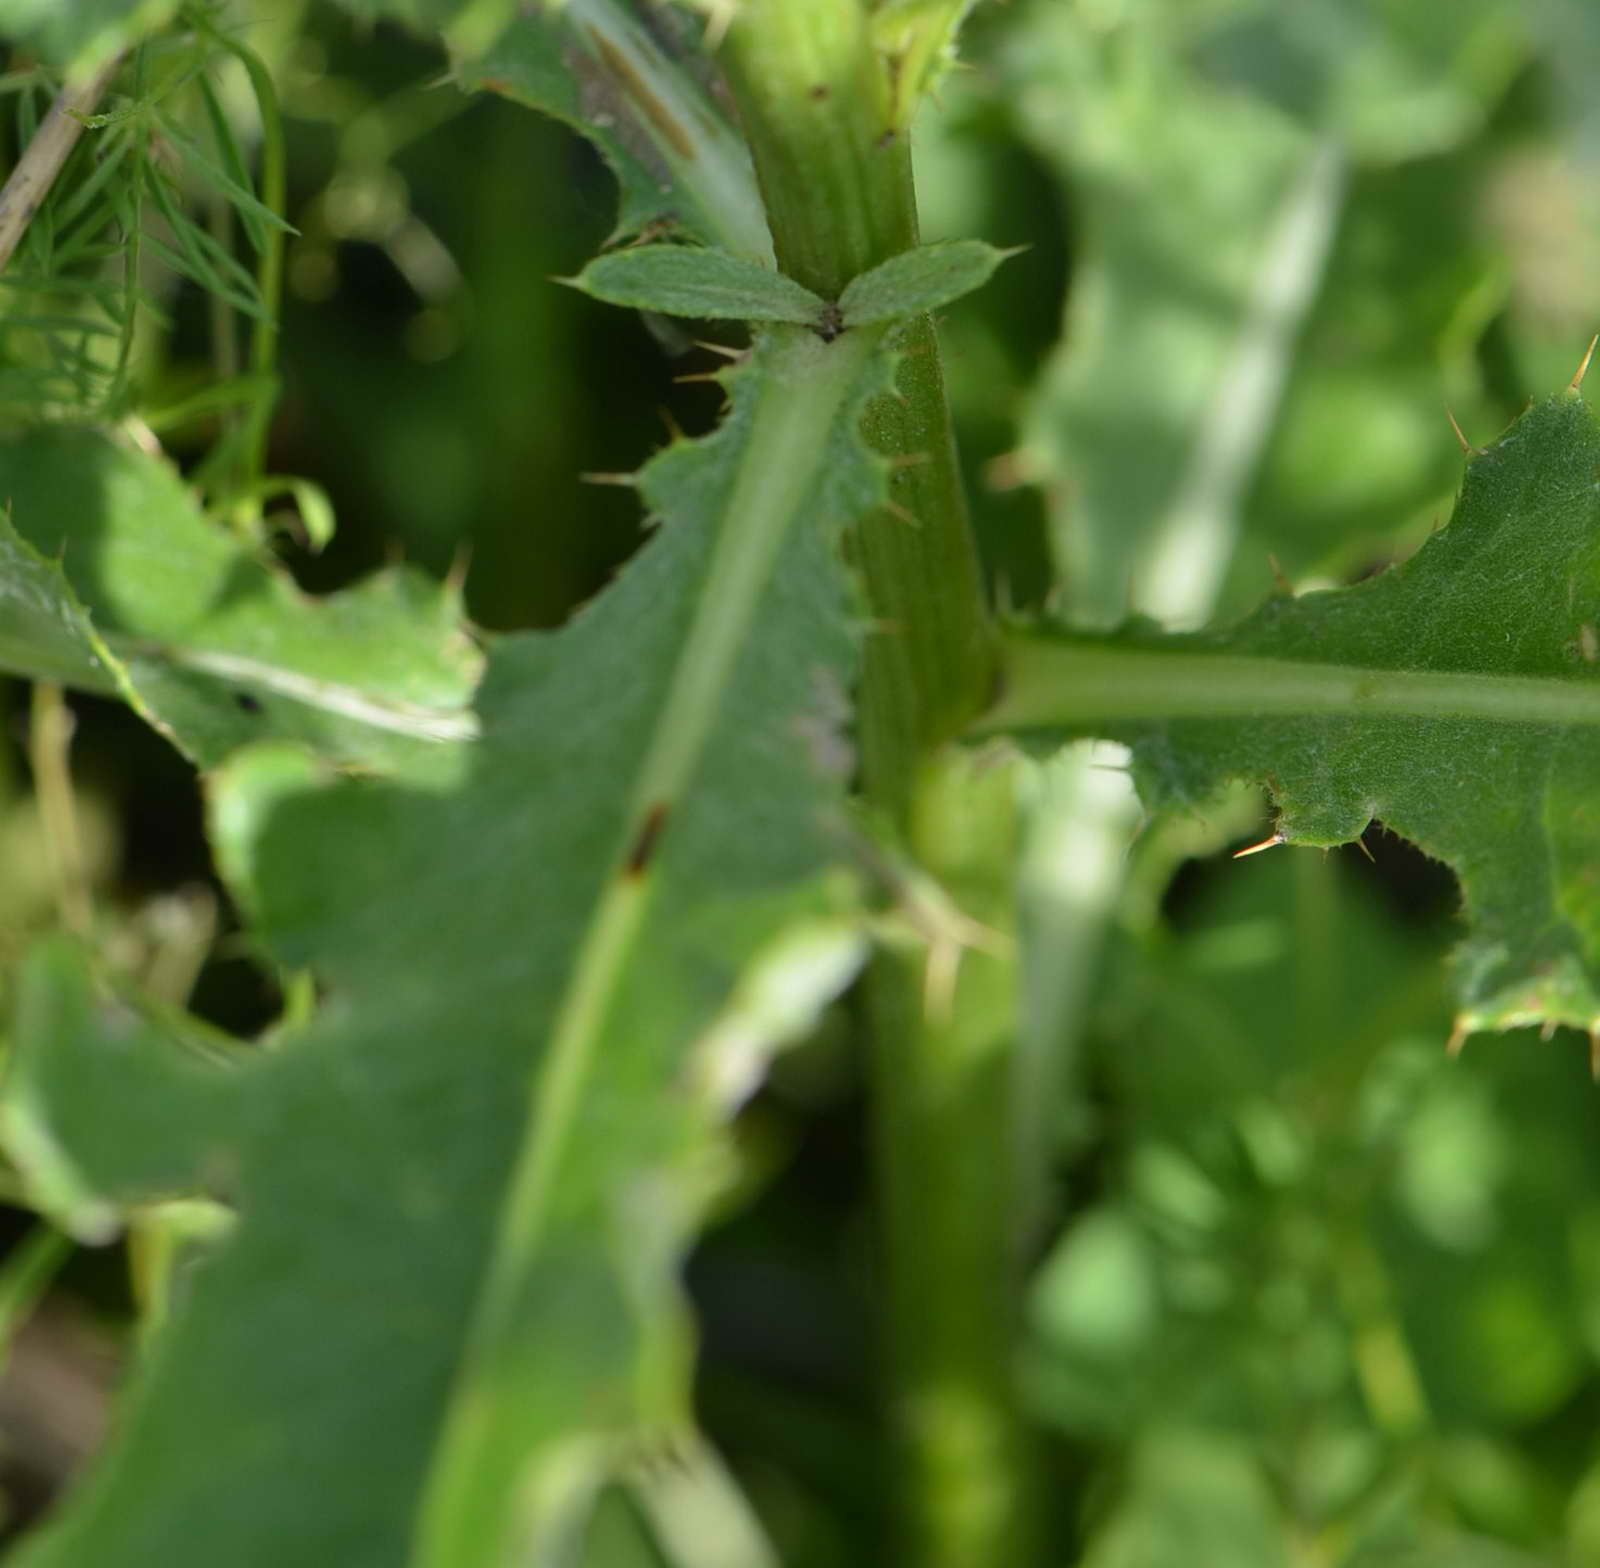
[
  {"x": 1062, "y": 683},
  {"x": 806, "y": 385}
]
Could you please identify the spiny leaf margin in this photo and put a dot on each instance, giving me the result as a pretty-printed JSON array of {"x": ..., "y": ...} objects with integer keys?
[
  {"x": 210, "y": 640},
  {"x": 440, "y": 911},
  {"x": 1510, "y": 588}
]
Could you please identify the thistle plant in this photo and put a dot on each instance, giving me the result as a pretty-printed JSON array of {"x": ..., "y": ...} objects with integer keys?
[{"x": 544, "y": 907}]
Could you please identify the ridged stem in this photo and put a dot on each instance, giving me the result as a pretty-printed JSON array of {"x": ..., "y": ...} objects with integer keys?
[{"x": 834, "y": 169}]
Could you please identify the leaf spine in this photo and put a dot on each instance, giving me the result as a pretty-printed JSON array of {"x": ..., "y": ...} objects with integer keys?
[
  {"x": 1583, "y": 369},
  {"x": 1255, "y": 849},
  {"x": 1468, "y": 450}
]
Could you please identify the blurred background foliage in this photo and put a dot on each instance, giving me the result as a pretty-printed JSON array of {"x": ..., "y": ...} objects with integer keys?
[{"x": 1304, "y": 1291}]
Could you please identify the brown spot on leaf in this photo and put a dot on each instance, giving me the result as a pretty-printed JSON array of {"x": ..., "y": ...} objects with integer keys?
[{"x": 647, "y": 841}]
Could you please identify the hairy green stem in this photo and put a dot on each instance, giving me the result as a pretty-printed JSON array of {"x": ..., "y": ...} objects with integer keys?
[
  {"x": 834, "y": 168},
  {"x": 834, "y": 174},
  {"x": 949, "y": 1137},
  {"x": 1068, "y": 683},
  {"x": 836, "y": 178}
]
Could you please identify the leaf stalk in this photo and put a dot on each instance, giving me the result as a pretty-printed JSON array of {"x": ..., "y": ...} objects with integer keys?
[{"x": 1077, "y": 683}]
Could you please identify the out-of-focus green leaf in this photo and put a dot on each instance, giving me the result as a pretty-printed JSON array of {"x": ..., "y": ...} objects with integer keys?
[
  {"x": 555, "y": 958},
  {"x": 1538, "y": 200},
  {"x": 1194, "y": 1498},
  {"x": 637, "y": 93},
  {"x": 1204, "y": 156},
  {"x": 1456, "y": 1551},
  {"x": 26, "y": 1276},
  {"x": 919, "y": 280},
  {"x": 81, "y": 33},
  {"x": 468, "y": 25},
  {"x": 918, "y": 37},
  {"x": 1361, "y": 450},
  {"x": 1175, "y": 184},
  {"x": 106, "y": 1062},
  {"x": 685, "y": 280},
  {"x": 1392, "y": 88},
  {"x": 44, "y": 630},
  {"x": 1488, "y": 757},
  {"x": 211, "y": 641},
  {"x": 1323, "y": 1244}
]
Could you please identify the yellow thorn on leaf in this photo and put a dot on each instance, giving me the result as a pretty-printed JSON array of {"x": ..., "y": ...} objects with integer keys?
[
  {"x": 1583, "y": 369},
  {"x": 734, "y": 354},
  {"x": 455, "y": 579},
  {"x": 1255, "y": 849}
]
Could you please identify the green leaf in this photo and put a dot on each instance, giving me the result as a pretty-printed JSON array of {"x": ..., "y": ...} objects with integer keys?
[
  {"x": 1357, "y": 451},
  {"x": 1175, "y": 185},
  {"x": 256, "y": 216},
  {"x": 684, "y": 280},
  {"x": 212, "y": 642},
  {"x": 638, "y": 92},
  {"x": 1289, "y": 1040},
  {"x": 679, "y": 165},
  {"x": 1207, "y": 158},
  {"x": 465, "y": 25},
  {"x": 1191, "y": 1497},
  {"x": 918, "y": 37},
  {"x": 1456, "y": 698},
  {"x": 919, "y": 280},
  {"x": 554, "y": 959},
  {"x": 81, "y": 33},
  {"x": 44, "y": 630},
  {"x": 107, "y": 1061}
]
